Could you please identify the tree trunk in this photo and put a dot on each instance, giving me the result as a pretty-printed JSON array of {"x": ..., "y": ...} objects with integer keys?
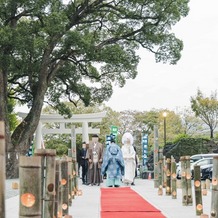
[
  {"x": 9, "y": 148},
  {"x": 211, "y": 132},
  {"x": 2, "y": 169},
  {"x": 23, "y": 134}
]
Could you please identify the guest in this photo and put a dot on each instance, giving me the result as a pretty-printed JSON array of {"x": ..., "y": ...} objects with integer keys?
[
  {"x": 84, "y": 162},
  {"x": 113, "y": 165},
  {"x": 129, "y": 158},
  {"x": 94, "y": 156}
]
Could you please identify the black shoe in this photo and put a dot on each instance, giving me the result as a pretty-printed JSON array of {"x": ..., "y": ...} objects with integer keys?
[
  {"x": 116, "y": 186},
  {"x": 132, "y": 183}
]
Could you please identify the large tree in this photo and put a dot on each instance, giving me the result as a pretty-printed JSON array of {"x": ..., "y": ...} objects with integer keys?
[
  {"x": 53, "y": 49},
  {"x": 206, "y": 108}
]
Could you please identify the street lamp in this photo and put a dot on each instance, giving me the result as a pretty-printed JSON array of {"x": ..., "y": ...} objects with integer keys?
[{"x": 164, "y": 115}]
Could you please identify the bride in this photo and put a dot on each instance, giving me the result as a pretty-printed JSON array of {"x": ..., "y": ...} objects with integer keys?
[{"x": 129, "y": 158}]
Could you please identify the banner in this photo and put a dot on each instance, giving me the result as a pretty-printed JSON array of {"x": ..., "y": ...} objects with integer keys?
[{"x": 144, "y": 149}]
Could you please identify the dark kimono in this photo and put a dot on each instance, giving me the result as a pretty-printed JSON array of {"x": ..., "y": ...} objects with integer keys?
[{"x": 113, "y": 165}]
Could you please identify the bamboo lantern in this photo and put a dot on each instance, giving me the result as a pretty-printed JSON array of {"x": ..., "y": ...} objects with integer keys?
[
  {"x": 214, "y": 200},
  {"x": 207, "y": 184},
  {"x": 160, "y": 190},
  {"x": 75, "y": 175},
  {"x": 58, "y": 199},
  {"x": 183, "y": 180},
  {"x": 160, "y": 168},
  {"x": 65, "y": 186},
  {"x": 198, "y": 194},
  {"x": 2, "y": 169},
  {"x": 30, "y": 187},
  {"x": 168, "y": 176},
  {"x": 69, "y": 161},
  {"x": 14, "y": 185},
  {"x": 164, "y": 172},
  {"x": 189, "y": 179},
  {"x": 156, "y": 148},
  {"x": 204, "y": 216},
  {"x": 203, "y": 188},
  {"x": 79, "y": 192},
  {"x": 48, "y": 182},
  {"x": 73, "y": 172},
  {"x": 173, "y": 179}
]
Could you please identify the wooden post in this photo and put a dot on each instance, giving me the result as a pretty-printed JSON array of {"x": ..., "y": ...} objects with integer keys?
[
  {"x": 156, "y": 179},
  {"x": 173, "y": 178},
  {"x": 48, "y": 181},
  {"x": 198, "y": 193},
  {"x": 30, "y": 187},
  {"x": 65, "y": 186},
  {"x": 168, "y": 176},
  {"x": 2, "y": 169},
  {"x": 214, "y": 198}
]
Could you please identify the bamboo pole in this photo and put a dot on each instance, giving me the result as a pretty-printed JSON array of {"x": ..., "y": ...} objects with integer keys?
[
  {"x": 160, "y": 172},
  {"x": 173, "y": 178},
  {"x": 69, "y": 161},
  {"x": 48, "y": 181},
  {"x": 58, "y": 199},
  {"x": 73, "y": 183},
  {"x": 188, "y": 178},
  {"x": 198, "y": 193},
  {"x": 164, "y": 172},
  {"x": 30, "y": 187},
  {"x": 207, "y": 182},
  {"x": 168, "y": 176},
  {"x": 203, "y": 188},
  {"x": 160, "y": 168},
  {"x": 2, "y": 169},
  {"x": 156, "y": 181},
  {"x": 65, "y": 186},
  {"x": 214, "y": 197},
  {"x": 183, "y": 181}
]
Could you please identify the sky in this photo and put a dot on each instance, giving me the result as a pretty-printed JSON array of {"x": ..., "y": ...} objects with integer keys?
[{"x": 164, "y": 86}]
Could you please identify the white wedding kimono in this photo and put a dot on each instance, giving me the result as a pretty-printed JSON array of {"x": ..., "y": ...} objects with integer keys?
[{"x": 129, "y": 162}]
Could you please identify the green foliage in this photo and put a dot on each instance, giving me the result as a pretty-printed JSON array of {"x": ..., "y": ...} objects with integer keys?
[
  {"x": 179, "y": 137},
  {"x": 206, "y": 108},
  {"x": 188, "y": 146},
  {"x": 79, "y": 50},
  {"x": 61, "y": 146},
  {"x": 13, "y": 122}
]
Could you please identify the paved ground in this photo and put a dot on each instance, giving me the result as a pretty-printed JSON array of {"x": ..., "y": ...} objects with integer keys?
[{"x": 88, "y": 205}]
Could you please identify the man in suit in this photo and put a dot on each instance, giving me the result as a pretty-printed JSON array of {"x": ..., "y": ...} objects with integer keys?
[
  {"x": 83, "y": 162},
  {"x": 95, "y": 159}
]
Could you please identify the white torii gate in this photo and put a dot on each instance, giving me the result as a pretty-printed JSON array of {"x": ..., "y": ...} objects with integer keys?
[{"x": 76, "y": 118}]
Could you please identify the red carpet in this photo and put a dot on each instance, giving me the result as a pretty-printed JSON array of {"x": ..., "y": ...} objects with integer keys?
[{"x": 124, "y": 202}]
